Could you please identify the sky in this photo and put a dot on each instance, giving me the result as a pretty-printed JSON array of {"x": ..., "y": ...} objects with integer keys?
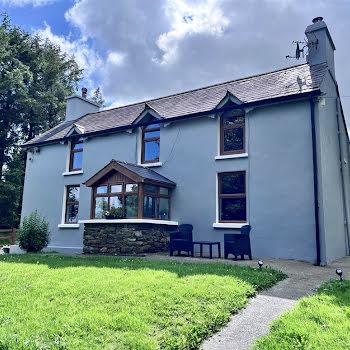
[{"x": 140, "y": 49}]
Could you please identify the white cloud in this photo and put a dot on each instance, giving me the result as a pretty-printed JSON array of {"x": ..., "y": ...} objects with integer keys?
[
  {"x": 175, "y": 45},
  {"x": 186, "y": 18},
  {"x": 116, "y": 58},
  {"x": 86, "y": 57},
  {"x": 21, "y": 3}
]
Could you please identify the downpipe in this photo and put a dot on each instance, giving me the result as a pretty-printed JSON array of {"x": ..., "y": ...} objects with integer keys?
[{"x": 315, "y": 172}]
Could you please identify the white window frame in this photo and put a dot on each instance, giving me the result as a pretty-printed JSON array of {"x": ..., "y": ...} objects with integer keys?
[
  {"x": 219, "y": 156},
  {"x": 63, "y": 214},
  {"x": 67, "y": 172},
  {"x": 217, "y": 223}
]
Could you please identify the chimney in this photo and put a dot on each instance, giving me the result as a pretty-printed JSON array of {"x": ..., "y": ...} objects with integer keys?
[
  {"x": 321, "y": 46},
  {"x": 84, "y": 92},
  {"x": 77, "y": 106}
]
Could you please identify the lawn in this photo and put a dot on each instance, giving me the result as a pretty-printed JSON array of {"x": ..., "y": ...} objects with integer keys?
[
  {"x": 320, "y": 322},
  {"x": 56, "y": 302}
]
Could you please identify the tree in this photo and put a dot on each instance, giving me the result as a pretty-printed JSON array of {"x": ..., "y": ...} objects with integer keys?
[
  {"x": 35, "y": 78},
  {"x": 11, "y": 191},
  {"x": 98, "y": 97}
]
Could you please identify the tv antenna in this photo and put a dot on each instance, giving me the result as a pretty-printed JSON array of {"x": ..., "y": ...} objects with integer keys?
[{"x": 306, "y": 45}]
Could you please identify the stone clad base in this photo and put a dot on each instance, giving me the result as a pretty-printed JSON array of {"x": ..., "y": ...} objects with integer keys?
[{"x": 124, "y": 239}]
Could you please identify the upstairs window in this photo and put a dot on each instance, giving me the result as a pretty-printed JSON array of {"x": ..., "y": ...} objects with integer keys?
[
  {"x": 232, "y": 197},
  {"x": 150, "y": 144},
  {"x": 72, "y": 204},
  {"x": 76, "y": 155},
  {"x": 232, "y": 132}
]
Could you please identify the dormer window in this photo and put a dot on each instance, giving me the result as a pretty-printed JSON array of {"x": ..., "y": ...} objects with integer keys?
[
  {"x": 76, "y": 155},
  {"x": 150, "y": 143},
  {"x": 232, "y": 132}
]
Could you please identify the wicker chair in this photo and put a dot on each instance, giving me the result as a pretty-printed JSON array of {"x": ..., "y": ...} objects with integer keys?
[
  {"x": 238, "y": 244},
  {"x": 181, "y": 240}
]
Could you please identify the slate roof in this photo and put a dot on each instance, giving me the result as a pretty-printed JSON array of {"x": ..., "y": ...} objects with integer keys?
[
  {"x": 146, "y": 173},
  {"x": 285, "y": 82},
  {"x": 140, "y": 171}
]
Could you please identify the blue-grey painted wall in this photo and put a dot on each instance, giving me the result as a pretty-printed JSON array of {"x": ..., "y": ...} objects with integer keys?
[
  {"x": 279, "y": 178},
  {"x": 332, "y": 195}
]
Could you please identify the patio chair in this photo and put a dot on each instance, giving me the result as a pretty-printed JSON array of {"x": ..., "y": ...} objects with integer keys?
[
  {"x": 181, "y": 240},
  {"x": 238, "y": 244}
]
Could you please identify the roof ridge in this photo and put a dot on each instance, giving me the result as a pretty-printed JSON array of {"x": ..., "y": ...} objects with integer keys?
[{"x": 200, "y": 88}]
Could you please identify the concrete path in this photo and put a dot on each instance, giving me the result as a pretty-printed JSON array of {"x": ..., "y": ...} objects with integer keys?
[{"x": 254, "y": 321}]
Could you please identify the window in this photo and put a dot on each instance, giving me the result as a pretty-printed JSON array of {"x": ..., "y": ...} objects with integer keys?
[
  {"x": 76, "y": 156},
  {"x": 72, "y": 204},
  {"x": 232, "y": 132},
  {"x": 138, "y": 200},
  {"x": 150, "y": 144},
  {"x": 116, "y": 196},
  {"x": 156, "y": 202},
  {"x": 232, "y": 197}
]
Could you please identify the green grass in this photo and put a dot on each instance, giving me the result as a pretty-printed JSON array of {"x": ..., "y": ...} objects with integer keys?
[
  {"x": 320, "y": 322},
  {"x": 56, "y": 302}
]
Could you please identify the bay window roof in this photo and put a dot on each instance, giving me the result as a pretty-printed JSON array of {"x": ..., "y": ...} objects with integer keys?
[{"x": 134, "y": 172}]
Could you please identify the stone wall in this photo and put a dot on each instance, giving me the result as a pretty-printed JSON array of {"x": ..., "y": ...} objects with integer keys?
[{"x": 124, "y": 239}]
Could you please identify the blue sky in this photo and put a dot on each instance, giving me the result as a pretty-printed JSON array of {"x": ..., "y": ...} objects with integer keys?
[
  {"x": 30, "y": 17},
  {"x": 140, "y": 49}
]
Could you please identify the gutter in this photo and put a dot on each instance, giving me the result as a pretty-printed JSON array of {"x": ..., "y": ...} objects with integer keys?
[
  {"x": 315, "y": 171},
  {"x": 184, "y": 117}
]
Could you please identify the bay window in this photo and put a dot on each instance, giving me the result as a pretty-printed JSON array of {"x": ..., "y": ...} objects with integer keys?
[
  {"x": 137, "y": 200},
  {"x": 156, "y": 202}
]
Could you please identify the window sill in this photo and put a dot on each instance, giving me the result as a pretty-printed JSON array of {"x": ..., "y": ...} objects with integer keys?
[
  {"x": 77, "y": 172},
  {"x": 150, "y": 165},
  {"x": 229, "y": 224},
  {"x": 129, "y": 221},
  {"x": 232, "y": 156},
  {"x": 68, "y": 226}
]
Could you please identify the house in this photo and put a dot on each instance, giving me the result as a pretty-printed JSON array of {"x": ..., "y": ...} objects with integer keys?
[{"x": 270, "y": 150}]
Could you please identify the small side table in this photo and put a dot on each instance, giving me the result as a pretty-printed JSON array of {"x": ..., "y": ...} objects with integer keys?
[{"x": 210, "y": 244}]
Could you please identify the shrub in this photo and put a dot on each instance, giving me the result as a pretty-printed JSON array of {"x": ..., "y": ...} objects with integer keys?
[
  {"x": 34, "y": 233},
  {"x": 117, "y": 213}
]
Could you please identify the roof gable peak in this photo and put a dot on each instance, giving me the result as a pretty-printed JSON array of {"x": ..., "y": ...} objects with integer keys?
[
  {"x": 229, "y": 98},
  {"x": 75, "y": 129},
  {"x": 148, "y": 113},
  {"x": 132, "y": 171}
]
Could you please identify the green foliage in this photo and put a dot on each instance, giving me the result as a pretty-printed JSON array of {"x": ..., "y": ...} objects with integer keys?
[
  {"x": 8, "y": 204},
  {"x": 35, "y": 78},
  {"x": 118, "y": 213},
  {"x": 116, "y": 303},
  {"x": 98, "y": 97},
  {"x": 34, "y": 233},
  {"x": 317, "y": 322},
  {"x": 11, "y": 191}
]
